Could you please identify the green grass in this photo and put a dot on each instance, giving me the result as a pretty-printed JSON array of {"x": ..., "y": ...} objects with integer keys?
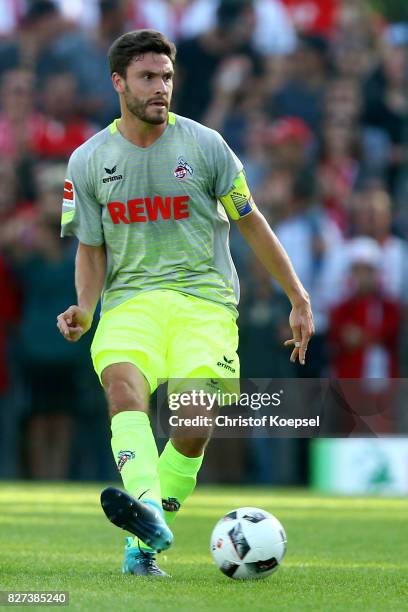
[{"x": 343, "y": 553}]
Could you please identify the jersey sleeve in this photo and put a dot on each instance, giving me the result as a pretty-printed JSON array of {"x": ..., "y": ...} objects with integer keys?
[
  {"x": 230, "y": 185},
  {"x": 81, "y": 212}
]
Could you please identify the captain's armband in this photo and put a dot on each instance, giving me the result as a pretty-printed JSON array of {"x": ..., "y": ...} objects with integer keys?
[{"x": 238, "y": 202}]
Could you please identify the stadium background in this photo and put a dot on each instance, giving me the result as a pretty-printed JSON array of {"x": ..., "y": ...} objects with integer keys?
[{"x": 312, "y": 95}]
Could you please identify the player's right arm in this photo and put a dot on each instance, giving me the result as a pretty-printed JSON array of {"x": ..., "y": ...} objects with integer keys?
[
  {"x": 81, "y": 217},
  {"x": 90, "y": 271}
]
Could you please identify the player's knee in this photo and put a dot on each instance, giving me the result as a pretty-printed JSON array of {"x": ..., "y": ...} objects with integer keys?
[
  {"x": 190, "y": 447},
  {"x": 122, "y": 395}
]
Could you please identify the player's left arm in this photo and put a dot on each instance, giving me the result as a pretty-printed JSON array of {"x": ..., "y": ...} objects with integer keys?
[{"x": 241, "y": 208}]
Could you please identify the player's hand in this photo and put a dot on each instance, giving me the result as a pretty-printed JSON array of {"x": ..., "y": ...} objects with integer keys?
[
  {"x": 301, "y": 323},
  {"x": 74, "y": 323}
]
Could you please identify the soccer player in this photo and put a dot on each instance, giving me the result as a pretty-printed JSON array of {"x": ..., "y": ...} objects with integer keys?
[{"x": 149, "y": 199}]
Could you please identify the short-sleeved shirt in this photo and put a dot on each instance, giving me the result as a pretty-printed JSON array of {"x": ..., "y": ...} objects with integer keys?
[{"x": 157, "y": 210}]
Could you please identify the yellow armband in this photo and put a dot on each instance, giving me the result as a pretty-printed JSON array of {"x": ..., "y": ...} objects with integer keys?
[{"x": 238, "y": 202}]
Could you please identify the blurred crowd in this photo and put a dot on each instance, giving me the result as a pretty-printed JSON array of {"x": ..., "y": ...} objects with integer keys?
[{"x": 311, "y": 95}]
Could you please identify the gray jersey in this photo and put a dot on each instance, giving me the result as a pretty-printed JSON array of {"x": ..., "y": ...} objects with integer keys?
[{"x": 158, "y": 211}]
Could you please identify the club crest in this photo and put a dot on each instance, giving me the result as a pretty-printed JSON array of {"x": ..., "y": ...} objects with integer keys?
[
  {"x": 182, "y": 169},
  {"x": 124, "y": 456}
]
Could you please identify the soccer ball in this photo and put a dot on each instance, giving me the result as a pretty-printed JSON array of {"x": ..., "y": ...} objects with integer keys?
[{"x": 248, "y": 543}]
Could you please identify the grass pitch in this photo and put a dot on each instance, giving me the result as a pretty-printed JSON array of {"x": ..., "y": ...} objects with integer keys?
[{"x": 343, "y": 553}]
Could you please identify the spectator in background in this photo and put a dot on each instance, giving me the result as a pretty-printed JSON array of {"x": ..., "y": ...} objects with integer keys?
[
  {"x": 352, "y": 56},
  {"x": 12, "y": 11},
  {"x": 62, "y": 129},
  {"x": 342, "y": 100},
  {"x": 85, "y": 56},
  {"x": 353, "y": 43},
  {"x": 313, "y": 16},
  {"x": 41, "y": 25},
  {"x": 236, "y": 103},
  {"x": 27, "y": 135},
  {"x": 264, "y": 326},
  {"x": 338, "y": 169},
  {"x": 364, "y": 334},
  {"x": 163, "y": 15},
  {"x": 303, "y": 93},
  {"x": 43, "y": 263},
  {"x": 386, "y": 107},
  {"x": 287, "y": 144},
  {"x": 13, "y": 204},
  {"x": 20, "y": 124},
  {"x": 274, "y": 33},
  {"x": 364, "y": 327},
  {"x": 373, "y": 218},
  {"x": 19, "y": 118},
  {"x": 370, "y": 216},
  {"x": 224, "y": 53},
  {"x": 8, "y": 194},
  {"x": 9, "y": 315},
  {"x": 83, "y": 12},
  {"x": 253, "y": 154}
]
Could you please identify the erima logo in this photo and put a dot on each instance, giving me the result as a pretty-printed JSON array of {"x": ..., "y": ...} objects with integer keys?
[
  {"x": 226, "y": 365},
  {"x": 110, "y": 179}
]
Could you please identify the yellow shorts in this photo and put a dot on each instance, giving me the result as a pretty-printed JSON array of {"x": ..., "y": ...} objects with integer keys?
[{"x": 169, "y": 335}]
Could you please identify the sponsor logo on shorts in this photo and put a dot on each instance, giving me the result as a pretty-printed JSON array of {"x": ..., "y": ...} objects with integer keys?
[
  {"x": 171, "y": 504},
  {"x": 226, "y": 364},
  {"x": 123, "y": 457},
  {"x": 182, "y": 169}
]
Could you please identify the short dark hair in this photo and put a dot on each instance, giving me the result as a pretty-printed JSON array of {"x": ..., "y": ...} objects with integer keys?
[{"x": 134, "y": 44}]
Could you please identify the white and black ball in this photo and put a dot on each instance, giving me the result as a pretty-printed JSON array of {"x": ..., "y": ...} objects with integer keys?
[{"x": 248, "y": 543}]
